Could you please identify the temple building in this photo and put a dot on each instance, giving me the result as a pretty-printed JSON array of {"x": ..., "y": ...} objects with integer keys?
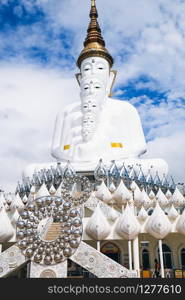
[{"x": 100, "y": 210}]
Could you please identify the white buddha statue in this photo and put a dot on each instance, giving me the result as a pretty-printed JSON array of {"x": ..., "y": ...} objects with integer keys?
[{"x": 99, "y": 126}]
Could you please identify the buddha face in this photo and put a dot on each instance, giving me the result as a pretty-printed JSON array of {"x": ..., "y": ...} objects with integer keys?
[
  {"x": 96, "y": 66},
  {"x": 88, "y": 126},
  {"x": 93, "y": 94}
]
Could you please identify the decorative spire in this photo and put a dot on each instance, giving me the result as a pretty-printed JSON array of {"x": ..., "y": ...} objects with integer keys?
[
  {"x": 94, "y": 44},
  {"x": 93, "y": 3}
]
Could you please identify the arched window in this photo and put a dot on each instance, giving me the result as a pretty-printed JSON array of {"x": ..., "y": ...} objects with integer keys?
[
  {"x": 145, "y": 259},
  {"x": 167, "y": 256},
  {"x": 112, "y": 251},
  {"x": 182, "y": 256}
]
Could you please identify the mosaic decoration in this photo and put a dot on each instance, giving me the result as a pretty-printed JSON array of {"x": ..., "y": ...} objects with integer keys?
[
  {"x": 99, "y": 264},
  {"x": 37, "y": 220},
  {"x": 10, "y": 260},
  {"x": 54, "y": 271},
  {"x": 78, "y": 180},
  {"x": 48, "y": 273},
  {"x": 49, "y": 229}
]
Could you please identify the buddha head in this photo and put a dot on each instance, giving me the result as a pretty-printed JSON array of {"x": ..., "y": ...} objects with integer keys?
[
  {"x": 88, "y": 127},
  {"x": 99, "y": 67},
  {"x": 93, "y": 93},
  {"x": 94, "y": 59}
]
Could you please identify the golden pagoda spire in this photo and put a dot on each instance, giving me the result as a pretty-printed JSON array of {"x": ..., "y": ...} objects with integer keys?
[
  {"x": 94, "y": 44},
  {"x": 93, "y": 3}
]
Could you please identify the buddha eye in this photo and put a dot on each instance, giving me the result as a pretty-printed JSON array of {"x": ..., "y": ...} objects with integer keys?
[
  {"x": 85, "y": 106},
  {"x": 100, "y": 67},
  {"x": 97, "y": 87},
  {"x": 94, "y": 105},
  {"x": 87, "y": 68},
  {"x": 86, "y": 88}
]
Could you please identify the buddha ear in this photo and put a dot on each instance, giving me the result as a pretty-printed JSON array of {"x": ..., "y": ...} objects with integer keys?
[
  {"x": 112, "y": 78},
  {"x": 79, "y": 78}
]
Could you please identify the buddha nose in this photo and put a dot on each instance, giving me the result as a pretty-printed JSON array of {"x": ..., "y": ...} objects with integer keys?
[
  {"x": 93, "y": 70},
  {"x": 91, "y": 90},
  {"x": 88, "y": 107}
]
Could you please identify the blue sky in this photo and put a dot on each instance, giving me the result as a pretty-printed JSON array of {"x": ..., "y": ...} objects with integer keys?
[{"x": 40, "y": 41}]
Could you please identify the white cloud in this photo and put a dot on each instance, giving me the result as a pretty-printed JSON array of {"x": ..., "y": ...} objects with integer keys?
[
  {"x": 165, "y": 125},
  {"x": 29, "y": 100},
  {"x": 145, "y": 37},
  {"x": 18, "y": 10},
  {"x": 171, "y": 149}
]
